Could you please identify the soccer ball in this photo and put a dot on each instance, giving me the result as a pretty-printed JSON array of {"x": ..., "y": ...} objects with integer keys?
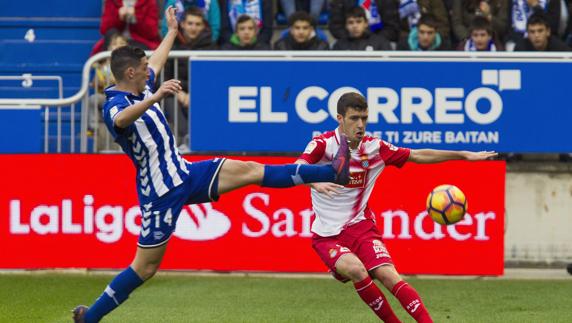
[{"x": 446, "y": 204}]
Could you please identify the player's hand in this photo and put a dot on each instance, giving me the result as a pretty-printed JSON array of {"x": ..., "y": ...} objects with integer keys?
[
  {"x": 330, "y": 189},
  {"x": 122, "y": 13},
  {"x": 171, "y": 18},
  {"x": 485, "y": 8},
  {"x": 170, "y": 87},
  {"x": 532, "y": 3},
  {"x": 481, "y": 155}
]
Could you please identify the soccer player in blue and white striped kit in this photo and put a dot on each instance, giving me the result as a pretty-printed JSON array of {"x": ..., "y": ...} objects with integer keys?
[{"x": 165, "y": 181}]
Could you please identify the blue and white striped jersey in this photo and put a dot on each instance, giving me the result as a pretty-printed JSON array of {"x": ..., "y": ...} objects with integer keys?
[{"x": 149, "y": 143}]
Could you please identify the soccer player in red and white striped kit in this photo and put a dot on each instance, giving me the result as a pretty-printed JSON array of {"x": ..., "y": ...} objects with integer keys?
[{"x": 345, "y": 235}]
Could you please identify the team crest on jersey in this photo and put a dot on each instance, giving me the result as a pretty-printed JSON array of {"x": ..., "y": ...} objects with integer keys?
[
  {"x": 333, "y": 252},
  {"x": 364, "y": 161}
]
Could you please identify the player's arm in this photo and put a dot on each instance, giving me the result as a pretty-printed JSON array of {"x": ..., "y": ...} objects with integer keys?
[
  {"x": 160, "y": 55},
  {"x": 430, "y": 156},
  {"x": 128, "y": 115}
]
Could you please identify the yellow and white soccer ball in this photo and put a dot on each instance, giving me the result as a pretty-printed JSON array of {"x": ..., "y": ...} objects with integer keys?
[{"x": 446, "y": 204}]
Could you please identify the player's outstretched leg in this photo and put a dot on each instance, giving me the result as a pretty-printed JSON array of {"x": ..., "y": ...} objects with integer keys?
[
  {"x": 350, "y": 266},
  {"x": 143, "y": 267},
  {"x": 235, "y": 174},
  {"x": 406, "y": 294}
]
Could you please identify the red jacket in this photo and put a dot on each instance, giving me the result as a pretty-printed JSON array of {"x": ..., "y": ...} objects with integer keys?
[{"x": 145, "y": 31}]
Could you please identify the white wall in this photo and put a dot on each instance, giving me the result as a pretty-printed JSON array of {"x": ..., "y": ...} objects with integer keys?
[{"x": 538, "y": 216}]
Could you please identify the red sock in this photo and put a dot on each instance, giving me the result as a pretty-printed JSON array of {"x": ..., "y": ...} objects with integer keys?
[
  {"x": 373, "y": 297},
  {"x": 411, "y": 302}
]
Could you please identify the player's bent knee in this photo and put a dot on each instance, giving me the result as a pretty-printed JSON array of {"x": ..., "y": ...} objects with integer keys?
[
  {"x": 352, "y": 268},
  {"x": 146, "y": 271},
  {"x": 388, "y": 276}
]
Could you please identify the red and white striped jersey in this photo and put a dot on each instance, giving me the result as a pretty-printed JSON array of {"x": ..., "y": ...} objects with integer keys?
[{"x": 367, "y": 162}]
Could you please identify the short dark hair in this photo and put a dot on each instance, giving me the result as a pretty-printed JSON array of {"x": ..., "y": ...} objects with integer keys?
[
  {"x": 356, "y": 12},
  {"x": 428, "y": 20},
  {"x": 301, "y": 16},
  {"x": 352, "y": 100},
  {"x": 194, "y": 11},
  {"x": 538, "y": 18},
  {"x": 244, "y": 18},
  {"x": 481, "y": 23},
  {"x": 124, "y": 57}
]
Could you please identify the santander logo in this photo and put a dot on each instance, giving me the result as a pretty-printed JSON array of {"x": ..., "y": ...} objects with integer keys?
[
  {"x": 257, "y": 216},
  {"x": 201, "y": 222}
]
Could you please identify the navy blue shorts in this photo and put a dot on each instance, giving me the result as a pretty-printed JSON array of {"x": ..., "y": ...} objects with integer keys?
[{"x": 159, "y": 218}]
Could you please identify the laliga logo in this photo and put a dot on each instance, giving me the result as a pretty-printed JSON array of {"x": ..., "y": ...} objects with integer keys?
[
  {"x": 207, "y": 223},
  {"x": 250, "y": 104}
]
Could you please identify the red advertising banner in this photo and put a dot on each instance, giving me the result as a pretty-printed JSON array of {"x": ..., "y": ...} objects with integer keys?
[{"x": 81, "y": 211}]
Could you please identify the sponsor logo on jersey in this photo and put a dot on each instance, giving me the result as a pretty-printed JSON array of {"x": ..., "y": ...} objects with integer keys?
[
  {"x": 310, "y": 148},
  {"x": 357, "y": 179}
]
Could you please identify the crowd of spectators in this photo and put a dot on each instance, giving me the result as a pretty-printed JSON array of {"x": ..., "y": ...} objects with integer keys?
[
  {"x": 418, "y": 25},
  {"x": 409, "y": 25}
]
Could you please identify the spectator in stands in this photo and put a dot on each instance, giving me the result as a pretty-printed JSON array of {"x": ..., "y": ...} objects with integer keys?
[
  {"x": 245, "y": 37},
  {"x": 194, "y": 34},
  {"x": 359, "y": 37},
  {"x": 424, "y": 37},
  {"x": 560, "y": 12},
  {"x": 520, "y": 12},
  {"x": 464, "y": 11},
  {"x": 210, "y": 9},
  {"x": 482, "y": 37},
  {"x": 409, "y": 14},
  {"x": 301, "y": 34},
  {"x": 382, "y": 16},
  {"x": 260, "y": 10},
  {"x": 438, "y": 10},
  {"x": 137, "y": 20},
  {"x": 540, "y": 38},
  {"x": 102, "y": 79},
  {"x": 313, "y": 7}
]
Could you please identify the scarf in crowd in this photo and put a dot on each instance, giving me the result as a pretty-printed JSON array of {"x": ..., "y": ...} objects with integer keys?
[
  {"x": 253, "y": 8},
  {"x": 520, "y": 13},
  {"x": 372, "y": 14},
  {"x": 182, "y": 5},
  {"x": 409, "y": 9},
  {"x": 470, "y": 46}
]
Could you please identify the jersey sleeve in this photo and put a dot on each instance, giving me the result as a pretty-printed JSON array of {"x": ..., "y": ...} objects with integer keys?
[
  {"x": 314, "y": 151},
  {"x": 110, "y": 111},
  {"x": 151, "y": 80},
  {"x": 393, "y": 155}
]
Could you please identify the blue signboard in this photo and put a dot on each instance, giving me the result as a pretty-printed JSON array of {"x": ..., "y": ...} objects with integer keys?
[
  {"x": 21, "y": 130},
  {"x": 278, "y": 106}
]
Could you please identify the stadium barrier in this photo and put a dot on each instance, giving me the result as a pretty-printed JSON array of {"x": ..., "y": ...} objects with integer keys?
[
  {"x": 436, "y": 107},
  {"x": 88, "y": 202}
]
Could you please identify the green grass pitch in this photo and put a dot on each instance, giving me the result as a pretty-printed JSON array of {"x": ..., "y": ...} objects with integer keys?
[{"x": 189, "y": 298}]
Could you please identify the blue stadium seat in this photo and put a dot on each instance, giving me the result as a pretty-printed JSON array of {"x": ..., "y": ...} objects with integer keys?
[{"x": 64, "y": 33}]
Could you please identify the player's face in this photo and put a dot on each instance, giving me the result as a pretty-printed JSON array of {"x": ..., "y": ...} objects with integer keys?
[
  {"x": 538, "y": 35},
  {"x": 481, "y": 38},
  {"x": 140, "y": 74},
  {"x": 246, "y": 32},
  {"x": 356, "y": 26},
  {"x": 353, "y": 124},
  {"x": 426, "y": 36},
  {"x": 192, "y": 26},
  {"x": 301, "y": 31}
]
